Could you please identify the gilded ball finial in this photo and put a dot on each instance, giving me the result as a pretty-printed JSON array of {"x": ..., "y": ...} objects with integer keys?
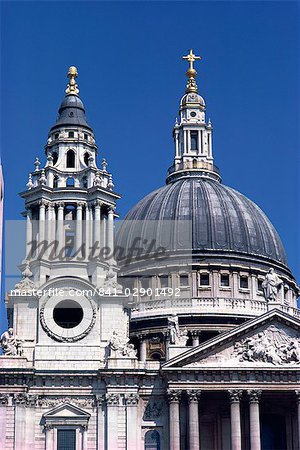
[
  {"x": 191, "y": 72},
  {"x": 72, "y": 72},
  {"x": 72, "y": 88}
]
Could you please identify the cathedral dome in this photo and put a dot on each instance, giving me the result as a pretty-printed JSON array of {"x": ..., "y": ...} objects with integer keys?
[{"x": 224, "y": 223}]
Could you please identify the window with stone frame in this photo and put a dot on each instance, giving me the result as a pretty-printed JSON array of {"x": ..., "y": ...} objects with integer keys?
[
  {"x": 184, "y": 280},
  {"x": 224, "y": 280},
  {"x": 244, "y": 282},
  {"x": 204, "y": 279}
]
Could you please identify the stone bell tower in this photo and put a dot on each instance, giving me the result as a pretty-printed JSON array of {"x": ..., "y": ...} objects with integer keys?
[{"x": 68, "y": 303}]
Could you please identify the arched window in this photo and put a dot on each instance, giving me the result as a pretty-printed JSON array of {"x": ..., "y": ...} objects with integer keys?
[
  {"x": 152, "y": 440},
  {"x": 70, "y": 158},
  {"x": 55, "y": 157},
  {"x": 86, "y": 158},
  {"x": 70, "y": 182}
]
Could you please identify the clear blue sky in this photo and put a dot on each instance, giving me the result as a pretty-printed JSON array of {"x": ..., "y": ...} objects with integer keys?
[{"x": 131, "y": 77}]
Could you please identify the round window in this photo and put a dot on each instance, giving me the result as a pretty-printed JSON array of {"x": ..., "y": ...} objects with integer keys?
[
  {"x": 67, "y": 314},
  {"x": 193, "y": 114}
]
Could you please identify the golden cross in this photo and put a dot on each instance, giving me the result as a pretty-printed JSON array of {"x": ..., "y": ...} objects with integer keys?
[{"x": 191, "y": 58}]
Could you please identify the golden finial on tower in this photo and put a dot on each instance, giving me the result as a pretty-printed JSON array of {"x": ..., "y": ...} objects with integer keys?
[
  {"x": 191, "y": 72},
  {"x": 72, "y": 88}
]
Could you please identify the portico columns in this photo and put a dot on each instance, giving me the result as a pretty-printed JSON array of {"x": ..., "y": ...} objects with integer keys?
[
  {"x": 131, "y": 401},
  {"x": 174, "y": 424},
  {"x": 100, "y": 404},
  {"x": 193, "y": 397},
  {"x": 235, "y": 419},
  {"x": 298, "y": 414},
  {"x": 112, "y": 407},
  {"x": 254, "y": 396}
]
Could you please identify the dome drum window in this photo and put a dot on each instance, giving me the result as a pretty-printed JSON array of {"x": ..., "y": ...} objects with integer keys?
[
  {"x": 164, "y": 281},
  {"x": 224, "y": 280},
  {"x": 184, "y": 280},
  {"x": 244, "y": 282},
  {"x": 204, "y": 279}
]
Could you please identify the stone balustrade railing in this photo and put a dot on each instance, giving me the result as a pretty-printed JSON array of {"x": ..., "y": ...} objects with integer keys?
[{"x": 218, "y": 305}]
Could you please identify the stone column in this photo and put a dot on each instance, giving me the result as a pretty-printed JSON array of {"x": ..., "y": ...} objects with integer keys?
[
  {"x": 235, "y": 419},
  {"x": 110, "y": 230},
  {"x": 42, "y": 214},
  {"x": 84, "y": 429},
  {"x": 79, "y": 229},
  {"x": 100, "y": 404},
  {"x": 254, "y": 396},
  {"x": 60, "y": 238},
  {"x": 196, "y": 337},
  {"x": 194, "y": 437},
  {"x": 112, "y": 405},
  {"x": 3, "y": 405},
  {"x": 97, "y": 218},
  {"x": 143, "y": 348},
  {"x": 49, "y": 437},
  {"x": 298, "y": 414},
  {"x": 28, "y": 230},
  {"x": 87, "y": 231},
  {"x": 174, "y": 423},
  {"x": 50, "y": 228},
  {"x": 131, "y": 401}
]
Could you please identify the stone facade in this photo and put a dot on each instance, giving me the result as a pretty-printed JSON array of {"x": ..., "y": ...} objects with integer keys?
[{"x": 88, "y": 367}]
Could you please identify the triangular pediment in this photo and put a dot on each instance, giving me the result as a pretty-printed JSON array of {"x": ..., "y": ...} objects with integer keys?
[
  {"x": 272, "y": 339},
  {"x": 66, "y": 410}
]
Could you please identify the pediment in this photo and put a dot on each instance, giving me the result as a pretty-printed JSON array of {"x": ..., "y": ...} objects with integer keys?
[
  {"x": 66, "y": 410},
  {"x": 267, "y": 341}
]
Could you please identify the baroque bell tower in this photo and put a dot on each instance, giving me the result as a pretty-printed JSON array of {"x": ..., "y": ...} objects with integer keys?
[{"x": 69, "y": 298}]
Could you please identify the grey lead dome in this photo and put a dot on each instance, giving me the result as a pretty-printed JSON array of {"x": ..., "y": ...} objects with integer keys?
[{"x": 222, "y": 219}]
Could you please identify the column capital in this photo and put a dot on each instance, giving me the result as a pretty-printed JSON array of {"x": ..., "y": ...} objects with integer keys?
[
  {"x": 111, "y": 208},
  {"x": 48, "y": 427},
  {"x": 235, "y": 395},
  {"x": 97, "y": 203},
  {"x": 80, "y": 204},
  {"x": 99, "y": 400},
  {"x": 196, "y": 333},
  {"x": 174, "y": 395},
  {"x": 4, "y": 399},
  {"x": 193, "y": 395},
  {"x": 112, "y": 399},
  {"x": 43, "y": 203},
  {"x": 254, "y": 395},
  {"x": 60, "y": 204},
  {"x": 131, "y": 399}
]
